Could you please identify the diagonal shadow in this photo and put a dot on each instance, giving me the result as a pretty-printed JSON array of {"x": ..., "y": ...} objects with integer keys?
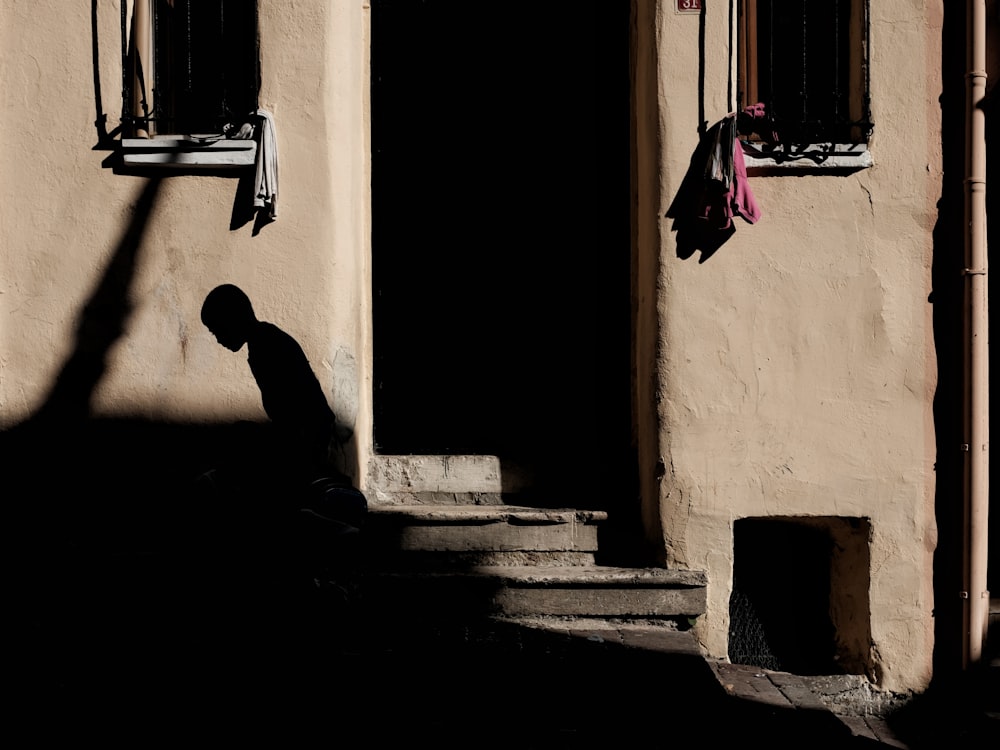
[{"x": 101, "y": 322}]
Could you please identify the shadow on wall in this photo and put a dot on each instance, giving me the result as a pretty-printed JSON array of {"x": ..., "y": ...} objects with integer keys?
[
  {"x": 98, "y": 486},
  {"x": 113, "y": 536},
  {"x": 133, "y": 466},
  {"x": 691, "y": 203}
]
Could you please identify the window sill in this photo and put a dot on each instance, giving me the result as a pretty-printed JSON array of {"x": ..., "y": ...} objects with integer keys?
[
  {"x": 816, "y": 156},
  {"x": 188, "y": 151}
]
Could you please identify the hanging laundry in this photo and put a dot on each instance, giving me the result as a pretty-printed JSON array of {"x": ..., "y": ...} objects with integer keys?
[
  {"x": 714, "y": 191},
  {"x": 754, "y": 119},
  {"x": 726, "y": 192},
  {"x": 741, "y": 198},
  {"x": 266, "y": 178},
  {"x": 719, "y": 166}
]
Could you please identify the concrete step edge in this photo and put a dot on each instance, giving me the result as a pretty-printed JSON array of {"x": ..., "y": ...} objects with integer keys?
[
  {"x": 383, "y": 513},
  {"x": 649, "y": 635},
  {"x": 566, "y": 576},
  {"x": 423, "y": 560}
]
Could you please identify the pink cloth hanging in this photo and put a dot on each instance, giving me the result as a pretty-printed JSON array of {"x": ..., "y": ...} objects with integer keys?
[
  {"x": 740, "y": 196},
  {"x": 720, "y": 206}
]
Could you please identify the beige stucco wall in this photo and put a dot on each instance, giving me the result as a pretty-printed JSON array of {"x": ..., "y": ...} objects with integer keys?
[
  {"x": 795, "y": 368},
  {"x": 62, "y": 215}
]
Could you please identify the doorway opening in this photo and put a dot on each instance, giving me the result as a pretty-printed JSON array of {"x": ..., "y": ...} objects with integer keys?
[{"x": 500, "y": 236}]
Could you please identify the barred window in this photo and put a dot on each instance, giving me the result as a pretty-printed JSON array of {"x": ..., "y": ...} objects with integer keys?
[
  {"x": 806, "y": 61},
  {"x": 189, "y": 66}
]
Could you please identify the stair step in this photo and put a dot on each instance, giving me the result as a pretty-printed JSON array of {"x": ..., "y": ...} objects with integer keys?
[
  {"x": 483, "y": 528},
  {"x": 544, "y": 635},
  {"x": 544, "y": 591},
  {"x": 467, "y": 561}
]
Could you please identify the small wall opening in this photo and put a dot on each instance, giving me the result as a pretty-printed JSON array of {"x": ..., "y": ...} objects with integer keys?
[{"x": 800, "y": 595}]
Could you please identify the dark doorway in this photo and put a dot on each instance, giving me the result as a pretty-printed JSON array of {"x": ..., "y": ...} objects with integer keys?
[{"x": 501, "y": 269}]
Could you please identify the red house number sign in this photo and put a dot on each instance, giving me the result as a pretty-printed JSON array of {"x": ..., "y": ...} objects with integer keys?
[{"x": 688, "y": 6}]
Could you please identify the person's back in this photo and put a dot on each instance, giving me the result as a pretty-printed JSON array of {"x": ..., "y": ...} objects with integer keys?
[{"x": 290, "y": 392}]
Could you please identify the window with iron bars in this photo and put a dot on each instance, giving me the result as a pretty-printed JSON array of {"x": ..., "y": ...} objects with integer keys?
[
  {"x": 188, "y": 66},
  {"x": 806, "y": 62}
]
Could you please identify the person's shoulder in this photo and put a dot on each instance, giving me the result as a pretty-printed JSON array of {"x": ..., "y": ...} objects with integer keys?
[
  {"x": 265, "y": 328},
  {"x": 268, "y": 334}
]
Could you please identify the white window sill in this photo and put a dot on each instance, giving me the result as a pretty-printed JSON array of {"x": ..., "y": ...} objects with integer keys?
[
  {"x": 188, "y": 151},
  {"x": 814, "y": 156}
]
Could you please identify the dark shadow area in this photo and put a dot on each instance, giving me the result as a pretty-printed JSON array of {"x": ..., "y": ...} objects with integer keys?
[
  {"x": 965, "y": 694},
  {"x": 135, "y": 581},
  {"x": 947, "y": 300},
  {"x": 947, "y": 715},
  {"x": 501, "y": 239},
  {"x": 476, "y": 684},
  {"x": 243, "y": 208},
  {"x": 541, "y": 689},
  {"x": 780, "y": 606},
  {"x": 702, "y": 122},
  {"x": 991, "y": 107},
  {"x": 801, "y": 171}
]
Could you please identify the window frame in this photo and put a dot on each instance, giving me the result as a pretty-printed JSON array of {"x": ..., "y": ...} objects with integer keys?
[
  {"x": 813, "y": 153},
  {"x": 146, "y": 138}
]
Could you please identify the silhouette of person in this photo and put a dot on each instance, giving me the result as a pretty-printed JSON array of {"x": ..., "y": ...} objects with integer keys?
[
  {"x": 296, "y": 462},
  {"x": 290, "y": 392}
]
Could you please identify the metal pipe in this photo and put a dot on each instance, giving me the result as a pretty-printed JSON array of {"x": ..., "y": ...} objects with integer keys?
[{"x": 977, "y": 597}]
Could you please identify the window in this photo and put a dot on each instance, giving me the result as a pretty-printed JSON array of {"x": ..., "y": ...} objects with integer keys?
[
  {"x": 190, "y": 76},
  {"x": 806, "y": 62}
]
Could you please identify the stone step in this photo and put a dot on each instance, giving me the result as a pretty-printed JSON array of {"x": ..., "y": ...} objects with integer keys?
[
  {"x": 581, "y": 591},
  {"x": 445, "y": 480},
  {"x": 467, "y": 561},
  {"x": 482, "y": 534}
]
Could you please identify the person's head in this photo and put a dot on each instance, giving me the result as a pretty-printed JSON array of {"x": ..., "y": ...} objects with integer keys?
[{"x": 228, "y": 314}]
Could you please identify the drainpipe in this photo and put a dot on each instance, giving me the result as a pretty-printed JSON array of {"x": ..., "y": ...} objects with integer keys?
[{"x": 977, "y": 597}]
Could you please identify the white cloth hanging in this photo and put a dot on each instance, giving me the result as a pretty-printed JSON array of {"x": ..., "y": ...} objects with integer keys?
[{"x": 265, "y": 193}]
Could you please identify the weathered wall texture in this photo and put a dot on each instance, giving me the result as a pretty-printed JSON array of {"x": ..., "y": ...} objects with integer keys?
[
  {"x": 63, "y": 215},
  {"x": 796, "y": 371}
]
